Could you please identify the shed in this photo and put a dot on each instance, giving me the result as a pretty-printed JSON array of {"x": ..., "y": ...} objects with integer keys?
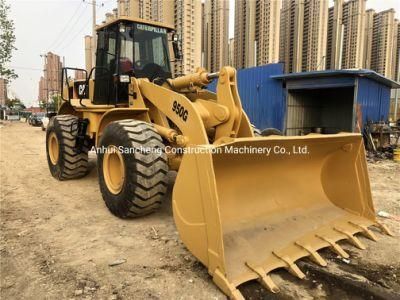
[
  {"x": 332, "y": 101},
  {"x": 262, "y": 96}
]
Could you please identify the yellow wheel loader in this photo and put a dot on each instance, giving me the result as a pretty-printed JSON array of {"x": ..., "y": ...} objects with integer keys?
[{"x": 243, "y": 205}]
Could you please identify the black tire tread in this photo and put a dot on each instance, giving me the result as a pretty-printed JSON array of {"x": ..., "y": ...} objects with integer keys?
[
  {"x": 71, "y": 164},
  {"x": 149, "y": 170}
]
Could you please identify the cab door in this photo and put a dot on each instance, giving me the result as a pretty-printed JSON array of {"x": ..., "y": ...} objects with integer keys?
[{"x": 106, "y": 61}]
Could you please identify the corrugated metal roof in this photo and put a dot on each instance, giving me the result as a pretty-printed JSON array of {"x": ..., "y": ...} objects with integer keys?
[{"x": 340, "y": 73}]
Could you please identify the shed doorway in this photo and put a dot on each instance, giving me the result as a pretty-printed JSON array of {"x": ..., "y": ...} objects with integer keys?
[{"x": 328, "y": 110}]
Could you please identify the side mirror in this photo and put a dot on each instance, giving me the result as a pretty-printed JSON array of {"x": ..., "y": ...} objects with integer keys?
[{"x": 176, "y": 47}]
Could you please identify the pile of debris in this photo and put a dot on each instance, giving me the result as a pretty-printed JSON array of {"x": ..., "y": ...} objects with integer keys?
[{"x": 381, "y": 139}]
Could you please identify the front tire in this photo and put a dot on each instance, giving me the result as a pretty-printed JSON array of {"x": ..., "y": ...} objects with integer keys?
[
  {"x": 132, "y": 182},
  {"x": 63, "y": 160}
]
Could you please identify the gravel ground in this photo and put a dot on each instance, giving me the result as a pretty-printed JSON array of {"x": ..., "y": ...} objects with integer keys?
[{"x": 58, "y": 239}]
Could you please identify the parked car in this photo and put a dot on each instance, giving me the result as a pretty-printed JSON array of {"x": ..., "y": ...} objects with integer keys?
[
  {"x": 46, "y": 119},
  {"x": 28, "y": 119},
  {"x": 36, "y": 119}
]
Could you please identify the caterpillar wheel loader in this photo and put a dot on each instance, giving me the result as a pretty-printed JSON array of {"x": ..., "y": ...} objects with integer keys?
[{"x": 241, "y": 212}]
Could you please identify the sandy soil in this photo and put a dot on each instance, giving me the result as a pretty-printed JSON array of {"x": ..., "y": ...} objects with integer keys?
[{"x": 58, "y": 239}]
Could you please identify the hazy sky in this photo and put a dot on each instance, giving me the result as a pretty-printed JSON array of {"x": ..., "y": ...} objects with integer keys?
[{"x": 60, "y": 25}]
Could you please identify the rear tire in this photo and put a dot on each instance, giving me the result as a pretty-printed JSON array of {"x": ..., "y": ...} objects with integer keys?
[
  {"x": 132, "y": 184},
  {"x": 64, "y": 162}
]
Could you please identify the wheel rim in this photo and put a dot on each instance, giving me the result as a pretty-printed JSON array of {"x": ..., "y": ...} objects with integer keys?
[
  {"x": 54, "y": 148},
  {"x": 113, "y": 169}
]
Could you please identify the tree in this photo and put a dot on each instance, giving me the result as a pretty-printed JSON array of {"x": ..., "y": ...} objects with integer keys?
[
  {"x": 52, "y": 105},
  {"x": 15, "y": 104},
  {"x": 42, "y": 104},
  {"x": 7, "y": 41}
]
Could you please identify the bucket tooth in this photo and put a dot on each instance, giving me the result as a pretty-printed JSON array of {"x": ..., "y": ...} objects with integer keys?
[
  {"x": 265, "y": 280},
  {"x": 335, "y": 247},
  {"x": 290, "y": 265},
  {"x": 314, "y": 255},
  {"x": 367, "y": 232},
  {"x": 384, "y": 228},
  {"x": 228, "y": 288},
  {"x": 353, "y": 239}
]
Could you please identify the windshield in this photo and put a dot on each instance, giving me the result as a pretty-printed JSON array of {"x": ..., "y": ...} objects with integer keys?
[{"x": 144, "y": 49}]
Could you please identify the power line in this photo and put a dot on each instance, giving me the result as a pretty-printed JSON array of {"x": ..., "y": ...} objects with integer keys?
[
  {"x": 60, "y": 35},
  {"x": 25, "y": 68},
  {"x": 71, "y": 29},
  {"x": 73, "y": 38}
]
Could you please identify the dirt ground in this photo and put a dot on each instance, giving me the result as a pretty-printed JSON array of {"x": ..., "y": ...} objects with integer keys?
[{"x": 58, "y": 240}]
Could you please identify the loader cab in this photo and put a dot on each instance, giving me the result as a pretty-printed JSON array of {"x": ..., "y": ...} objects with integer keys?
[{"x": 127, "y": 49}]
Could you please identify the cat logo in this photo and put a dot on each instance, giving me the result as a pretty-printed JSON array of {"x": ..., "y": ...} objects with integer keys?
[{"x": 81, "y": 90}]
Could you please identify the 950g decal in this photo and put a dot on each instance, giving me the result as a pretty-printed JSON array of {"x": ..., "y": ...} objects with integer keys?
[{"x": 180, "y": 111}]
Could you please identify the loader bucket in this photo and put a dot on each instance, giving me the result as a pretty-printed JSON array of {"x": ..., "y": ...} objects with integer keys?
[{"x": 244, "y": 215}]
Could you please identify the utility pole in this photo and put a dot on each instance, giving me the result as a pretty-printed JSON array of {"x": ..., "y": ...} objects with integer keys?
[
  {"x": 46, "y": 75},
  {"x": 46, "y": 79},
  {"x": 94, "y": 42},
  {"x": 94, "y": 38},
  {"x": 396, "y": 92}
]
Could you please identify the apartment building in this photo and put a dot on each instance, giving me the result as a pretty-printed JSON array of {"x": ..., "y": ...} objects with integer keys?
[
  {"x": 3, "y": 92},
  {"x": 188, "y": 26},
  {"x": 384, "y": 42},
  {"x": 256, "y": 32},
  {"x": 346, "y": 32},
  {"x": 368, "y": 35},
  {"x": 289, "y": 36},
  {"x": 396, "y": 58},
  {"x": 88, "y": 53},
  {"x": 396, "y": 51},
  {"x": 50, "y": 83},
  {"x": 231, "y": 52},
  {"x": 314, "y": 35},
  {"x": 135, "y": 8},
  {"x": 79, "y": 75},
  {"x": 215, "y": 22},
  {"x": 184, "y": 15},
  {"x": 204, "y": 38},
  {"x": 267, "y": 23},
  {"x": 42, "y": 94},
  {"x": 244, "y": 34},
  {"x": 303, "y": 35}
]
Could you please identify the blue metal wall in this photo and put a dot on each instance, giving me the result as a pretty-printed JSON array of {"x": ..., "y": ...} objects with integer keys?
[
  {"x": 262, "y": 97},
  {"x": 374, "y": 98}
]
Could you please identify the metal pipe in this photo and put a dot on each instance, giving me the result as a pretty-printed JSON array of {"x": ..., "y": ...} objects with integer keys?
[
  {"x": 171, "y": 135},
  {"x": 199, "y": 79},
  {"x": 211, "y": 76}
]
